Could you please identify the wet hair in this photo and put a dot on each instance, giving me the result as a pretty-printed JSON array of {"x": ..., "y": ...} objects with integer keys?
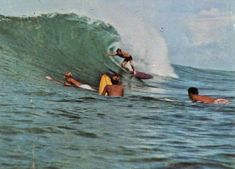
[
  {"x": 118, "y": 50},
  {"x": 193, "y": 90},
  {"x": 115, "y": 80}
]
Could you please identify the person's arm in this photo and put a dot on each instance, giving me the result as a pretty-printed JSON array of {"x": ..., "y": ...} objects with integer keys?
[
  {"x": 211, "y": 100},
  {"x": 106, "y": 90},
  {"x": 74, "y": 82},
  {"x": 204, "y": 99},
  {"x": 122, "y": 91},
  {"x": 111, "y": 54}
]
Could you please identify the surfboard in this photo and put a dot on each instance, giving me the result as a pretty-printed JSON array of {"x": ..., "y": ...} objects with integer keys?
[
  {"x": 138, "y": 74},
  {"x": 87, "y": 87},
  {"x": 104, "y": 80},
  {"x": 83, "y": 86},
  {"x": 142, "y": 75}
]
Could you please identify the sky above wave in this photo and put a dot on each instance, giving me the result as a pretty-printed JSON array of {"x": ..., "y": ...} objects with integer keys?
[{"x": 198, "y": 33}]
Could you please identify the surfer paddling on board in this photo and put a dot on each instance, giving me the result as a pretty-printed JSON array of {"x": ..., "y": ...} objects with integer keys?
[
  {"x": 116, "y": 89},
  {"x": 70, "y": 81},
  {"x": 195, "y": 97},
  {"x": 127, "y": 58}
]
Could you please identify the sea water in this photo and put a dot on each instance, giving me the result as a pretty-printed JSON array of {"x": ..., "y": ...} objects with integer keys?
[{"x": 46, "y": 125}]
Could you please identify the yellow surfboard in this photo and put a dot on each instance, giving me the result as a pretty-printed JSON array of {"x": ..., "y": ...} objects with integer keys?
[{"x": 105, "y": 80}]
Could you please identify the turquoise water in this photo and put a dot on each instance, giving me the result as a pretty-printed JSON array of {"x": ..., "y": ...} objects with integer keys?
[{"x": 46, "y": 125}]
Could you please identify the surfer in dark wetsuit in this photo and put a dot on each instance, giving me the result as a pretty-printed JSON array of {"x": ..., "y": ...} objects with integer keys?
[
  {"x": 116, "y": 89},
  {"x": 127, "y": 58}
]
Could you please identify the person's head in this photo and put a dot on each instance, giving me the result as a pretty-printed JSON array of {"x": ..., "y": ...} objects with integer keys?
[
  {"x": 192, "y": 91},
  {"x": 68, "y": 75},
  {"x": 119, "y": 51},
  {"x": 115, "y": 79}
]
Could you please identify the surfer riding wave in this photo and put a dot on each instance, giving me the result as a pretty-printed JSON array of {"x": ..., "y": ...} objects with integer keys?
[{"x": 127, "y": 59}]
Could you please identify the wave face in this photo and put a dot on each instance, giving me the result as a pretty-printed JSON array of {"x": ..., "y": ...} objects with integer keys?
[
  {"x": 55, "y": 43},
  {"x": 142, "y": 40}
]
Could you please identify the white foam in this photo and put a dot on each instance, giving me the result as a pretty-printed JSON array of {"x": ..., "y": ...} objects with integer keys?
[{"x": 140, "y": 39}]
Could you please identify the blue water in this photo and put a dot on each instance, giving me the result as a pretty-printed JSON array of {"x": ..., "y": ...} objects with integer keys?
[{"x": 155, "y": 125}]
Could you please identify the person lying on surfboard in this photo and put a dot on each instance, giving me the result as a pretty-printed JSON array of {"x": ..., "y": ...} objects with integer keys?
[
  {"x": 116, "y": 89},
  {"x": 195, "y": 97},
  {"x": 127, "y": 58},
  {"x": 70, "y": 81}
]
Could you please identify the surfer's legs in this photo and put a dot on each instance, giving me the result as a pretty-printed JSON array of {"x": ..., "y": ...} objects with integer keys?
[
  {"x": 132, "y": 66},
  {"x": 124, "y": 64}
]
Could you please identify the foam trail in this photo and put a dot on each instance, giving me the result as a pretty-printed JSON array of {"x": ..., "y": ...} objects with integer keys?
[{"x": 146, "y": 45}]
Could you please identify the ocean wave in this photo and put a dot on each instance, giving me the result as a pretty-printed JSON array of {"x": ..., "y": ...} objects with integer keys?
[
  {"x": 32, "y": 47},
  {"x": 55, "y": 43}
]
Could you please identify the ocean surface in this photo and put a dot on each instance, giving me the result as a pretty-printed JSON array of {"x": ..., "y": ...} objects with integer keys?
[{"x": 46, "y": 125}]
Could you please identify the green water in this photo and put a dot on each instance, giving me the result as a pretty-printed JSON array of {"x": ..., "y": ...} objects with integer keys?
[{"x": 47, "y": 125}]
